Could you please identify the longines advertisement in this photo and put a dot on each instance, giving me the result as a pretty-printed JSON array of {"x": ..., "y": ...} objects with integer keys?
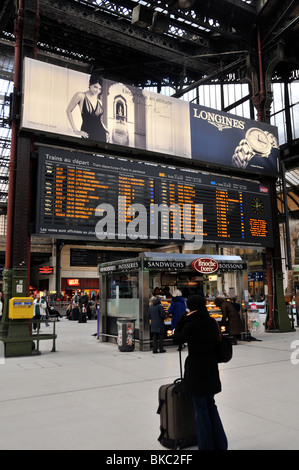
[
  {"x": 234, "y": 141},
  {"x": 65, "y": 102}
]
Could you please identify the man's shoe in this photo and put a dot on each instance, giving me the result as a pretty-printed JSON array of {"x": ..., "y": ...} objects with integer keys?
[
  {"x": 163, "y": 350},
  {"x": 155, "y": 352}
]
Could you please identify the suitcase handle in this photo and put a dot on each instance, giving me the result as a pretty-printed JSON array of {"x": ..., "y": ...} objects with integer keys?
[{"x": 180, "y": 356}]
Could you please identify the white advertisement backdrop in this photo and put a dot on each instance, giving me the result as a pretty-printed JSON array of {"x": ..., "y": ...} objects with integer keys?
[
  {"x": 133, "y": 117},
  {"x": 70, "y": 103}
]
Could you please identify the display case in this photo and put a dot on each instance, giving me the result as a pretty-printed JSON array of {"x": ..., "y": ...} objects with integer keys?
[
  {"x": 214, "y": 311},
  {"x": 166, "y": 304}
]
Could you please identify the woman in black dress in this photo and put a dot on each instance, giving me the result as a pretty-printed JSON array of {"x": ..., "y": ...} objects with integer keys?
[{"x": 91, "y": 109}]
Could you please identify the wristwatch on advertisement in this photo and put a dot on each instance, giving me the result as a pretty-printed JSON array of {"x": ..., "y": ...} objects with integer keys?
[{"x": 256, "y": 142}]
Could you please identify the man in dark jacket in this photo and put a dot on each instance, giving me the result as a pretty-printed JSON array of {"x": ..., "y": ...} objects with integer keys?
[
  {"x": 157, "y": 315},
  {"x": 201, "y": 378}
]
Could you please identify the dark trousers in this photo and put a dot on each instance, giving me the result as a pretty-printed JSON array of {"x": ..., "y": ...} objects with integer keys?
[
  {"x": 209, "y": 430},
  {"x": 158, "y": 339}
]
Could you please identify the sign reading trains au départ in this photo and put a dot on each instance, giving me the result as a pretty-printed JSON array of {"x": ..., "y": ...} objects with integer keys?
[{"x": 72, "y": 185}]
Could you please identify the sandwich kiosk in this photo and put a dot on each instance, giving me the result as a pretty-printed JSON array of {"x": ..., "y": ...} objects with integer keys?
[{"x": 127, "y": 286}]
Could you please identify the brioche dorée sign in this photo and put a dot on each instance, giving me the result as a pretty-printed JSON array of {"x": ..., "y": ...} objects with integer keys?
[{"x": 205, "y": 265}]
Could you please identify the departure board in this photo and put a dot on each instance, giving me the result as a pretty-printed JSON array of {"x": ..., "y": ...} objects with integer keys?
[{"x": 73, "y": 186}]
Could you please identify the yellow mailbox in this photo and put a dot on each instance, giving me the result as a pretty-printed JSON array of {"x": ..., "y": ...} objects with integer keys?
[{"x": 20, "y": 307}]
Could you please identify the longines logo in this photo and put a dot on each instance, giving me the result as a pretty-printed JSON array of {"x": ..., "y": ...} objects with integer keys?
[{"x": 217, "y": 120}]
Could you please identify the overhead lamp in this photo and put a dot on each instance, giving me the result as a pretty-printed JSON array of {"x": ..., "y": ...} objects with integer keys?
[
  {"x": 142, "y": 16},
  {"x": 185, "y": 4},
  {"x": 181, "y": 4},
  {"x": 160, "y": 22}
]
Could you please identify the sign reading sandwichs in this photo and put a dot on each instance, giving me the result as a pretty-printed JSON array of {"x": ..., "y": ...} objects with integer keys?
[
  {"x": 72, "y": 104},
  {"x": 164, "y": 264}
]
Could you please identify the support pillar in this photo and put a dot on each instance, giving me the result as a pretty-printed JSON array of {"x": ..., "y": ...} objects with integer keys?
[
  {"x": 17, "y": 261},
  {"x": 277, "y": 315},
  {"x": 16, "y": 278}
]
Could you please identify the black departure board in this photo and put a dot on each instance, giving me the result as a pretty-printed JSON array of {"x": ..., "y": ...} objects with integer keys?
[{"x": 72, "y": 186}]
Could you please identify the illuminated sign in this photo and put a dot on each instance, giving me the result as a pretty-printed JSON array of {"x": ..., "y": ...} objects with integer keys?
[
  {"x": 205, "y": 265},
  {"x": 71, "y": 186},
  {"x": 73, "y": 282},
  {"x": 46, "y": 270}
]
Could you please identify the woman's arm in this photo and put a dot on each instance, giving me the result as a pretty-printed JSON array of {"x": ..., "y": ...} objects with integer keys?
[
  {"x": 105, "y": 127},
  {"x": 162, "y": 312},
  {"x": 75, "y": 101}
]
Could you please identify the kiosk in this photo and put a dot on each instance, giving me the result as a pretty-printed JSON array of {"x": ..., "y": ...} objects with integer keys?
[{"x": 126, "y": 286}]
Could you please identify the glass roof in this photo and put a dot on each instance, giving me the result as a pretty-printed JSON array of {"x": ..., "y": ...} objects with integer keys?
[
  {"x": 6, "y": 88},
  {"x": 292, "y": 178}
]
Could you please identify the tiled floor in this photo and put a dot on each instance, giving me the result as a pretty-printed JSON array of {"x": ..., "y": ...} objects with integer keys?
[{"x": 89, "y": 395}]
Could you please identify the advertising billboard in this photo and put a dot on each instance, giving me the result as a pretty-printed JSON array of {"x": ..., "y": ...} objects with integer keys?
[
  {"x": 69, "y": 103},
  {"x": 230, "y": 140}
]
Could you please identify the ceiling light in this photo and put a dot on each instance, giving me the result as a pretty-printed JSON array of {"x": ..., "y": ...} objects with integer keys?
[
  {"x": 142, "y": 16},
  {"x": 181, "y": 4}
]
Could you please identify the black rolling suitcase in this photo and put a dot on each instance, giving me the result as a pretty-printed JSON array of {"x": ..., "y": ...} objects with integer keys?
[
  {"x": 82, "y": 318},
  {"x": 82, "y": 315},
  {"x": 177, "y": 418}
]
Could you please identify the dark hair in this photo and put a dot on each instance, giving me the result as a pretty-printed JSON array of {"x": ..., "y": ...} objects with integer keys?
[
  {"x": 196, "y": 302},
  {"x": 95, "y": 79},
  {"x": 218, "y": 301}
]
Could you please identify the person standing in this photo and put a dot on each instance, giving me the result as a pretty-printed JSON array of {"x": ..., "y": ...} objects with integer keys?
[
  {"x": 177, "y": 307},
  {"x": 83, "y": 301},
  {"x": 36, "y": 309},
  {"x": 76, "y": 297},
  {"x": 296, "y": 299},
  {"x": 167, "y": 293},
  {"x": 201, "y": 375},
  {"x": 230, "y": 318},
  {"x": 1, "y": 305},
  {"x": 43, "y": 305},
  {"x": 157, "y": 315}
]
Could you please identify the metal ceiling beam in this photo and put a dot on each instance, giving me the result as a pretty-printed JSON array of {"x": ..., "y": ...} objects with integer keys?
[
  {"x": 219, "y": 72},
  {"x": 6, "y": 13},
  {"x": 122, "y": 33}
]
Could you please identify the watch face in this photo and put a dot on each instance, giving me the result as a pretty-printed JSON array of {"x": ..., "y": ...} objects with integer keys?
[
  {"x": 257, "y": 206},
  {"x": 258, "y": 141}
]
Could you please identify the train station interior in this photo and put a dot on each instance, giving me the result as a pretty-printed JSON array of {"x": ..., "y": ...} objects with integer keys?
[{"x": 148, "y": 149}]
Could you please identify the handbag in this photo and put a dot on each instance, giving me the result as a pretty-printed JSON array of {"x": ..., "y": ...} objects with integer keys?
[{"x": 224, "y": 349}]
